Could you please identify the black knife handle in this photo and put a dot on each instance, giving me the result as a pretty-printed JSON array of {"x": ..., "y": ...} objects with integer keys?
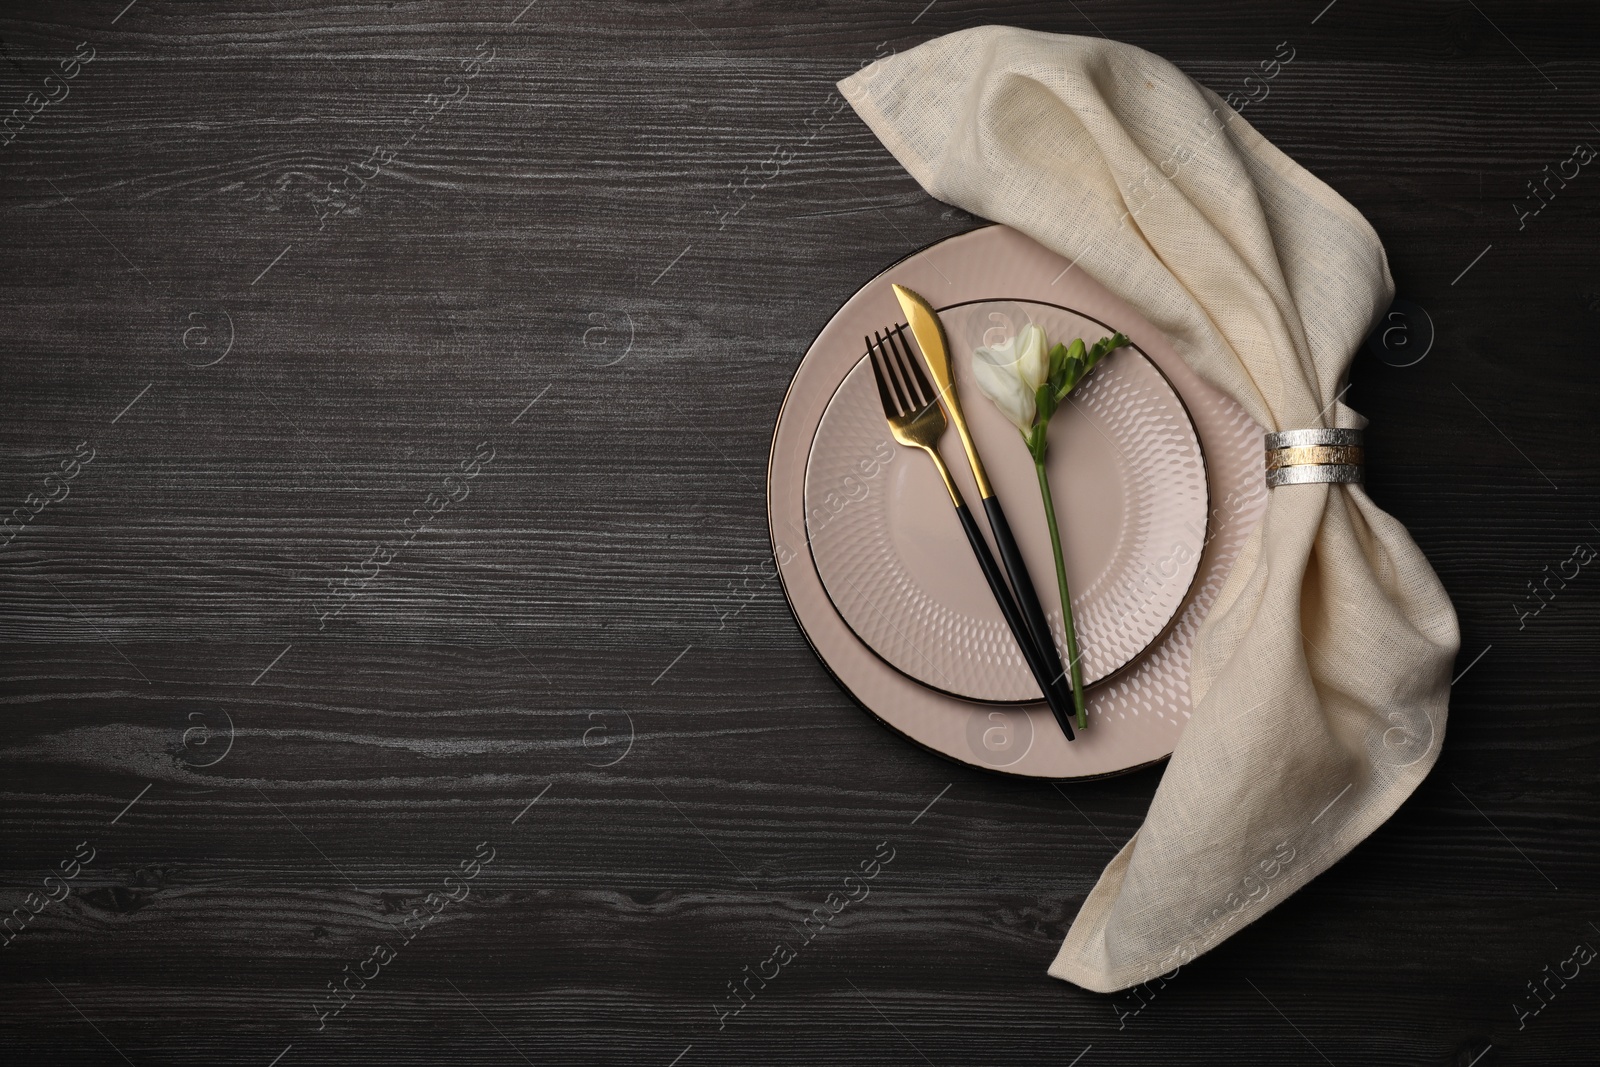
[
  {"x": 1027, "y": 599},
  {"x": 1055, "y": 694}
]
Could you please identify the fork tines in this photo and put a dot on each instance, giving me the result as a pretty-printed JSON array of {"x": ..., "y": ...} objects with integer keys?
[{"x": 902, "y": 386}]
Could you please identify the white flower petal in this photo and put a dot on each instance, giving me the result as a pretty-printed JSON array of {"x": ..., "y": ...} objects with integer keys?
[
  {"x": 997, "y": 378},
  {"x": 1033, "y": 361}
]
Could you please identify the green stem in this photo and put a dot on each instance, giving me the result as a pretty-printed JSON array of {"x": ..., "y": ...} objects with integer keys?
[{"x": 1066, "y": 597}]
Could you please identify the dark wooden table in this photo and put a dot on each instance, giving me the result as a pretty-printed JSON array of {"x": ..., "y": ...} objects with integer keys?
[{"x": 395, "y": 383}]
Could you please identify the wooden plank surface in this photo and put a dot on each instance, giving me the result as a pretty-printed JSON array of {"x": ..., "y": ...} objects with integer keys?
[{"x": 543, "y": 287}]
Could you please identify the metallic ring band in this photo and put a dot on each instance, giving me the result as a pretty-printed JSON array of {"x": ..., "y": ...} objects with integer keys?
[
  {"x": 1328, "y": 472},
  {"x": 1304, "y": 438},
  {"x": 1301, "y": 455},
  {"x": 1307, "y": 457}
]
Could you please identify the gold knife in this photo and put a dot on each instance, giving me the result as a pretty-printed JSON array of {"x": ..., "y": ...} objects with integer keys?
[{"x": 929, "y": 332}]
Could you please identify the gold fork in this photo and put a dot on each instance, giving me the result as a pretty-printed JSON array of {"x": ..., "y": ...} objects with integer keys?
[{"x": 916, "y": 420}]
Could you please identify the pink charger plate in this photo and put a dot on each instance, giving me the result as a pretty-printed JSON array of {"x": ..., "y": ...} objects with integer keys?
[{"x": 1136, "y": 715}]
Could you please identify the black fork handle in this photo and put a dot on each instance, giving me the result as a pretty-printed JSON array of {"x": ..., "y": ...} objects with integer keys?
[
  {"x": 1027, "y": 599},
  {"x": 1054, "y": 692}
]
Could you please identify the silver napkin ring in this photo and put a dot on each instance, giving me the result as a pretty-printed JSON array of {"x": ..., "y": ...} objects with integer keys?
[{"x": 1301, "y": 457}]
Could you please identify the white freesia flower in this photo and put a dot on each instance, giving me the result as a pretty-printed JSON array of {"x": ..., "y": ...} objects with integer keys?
[
  {"x": 1016, "y": 376},
  {"x": 1010, "y": 374}
]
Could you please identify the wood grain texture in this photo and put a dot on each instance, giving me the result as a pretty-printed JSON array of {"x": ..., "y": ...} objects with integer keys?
[{"x": 548, "y": 270}]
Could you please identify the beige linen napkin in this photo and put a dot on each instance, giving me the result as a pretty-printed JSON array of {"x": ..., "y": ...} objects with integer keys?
[{"x": 1322, "y": 675}]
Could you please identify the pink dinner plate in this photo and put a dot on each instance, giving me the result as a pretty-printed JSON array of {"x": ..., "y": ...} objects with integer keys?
[
  {"x": 1135, "y": 714},
  {"x": 1129, "y": 484}
]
